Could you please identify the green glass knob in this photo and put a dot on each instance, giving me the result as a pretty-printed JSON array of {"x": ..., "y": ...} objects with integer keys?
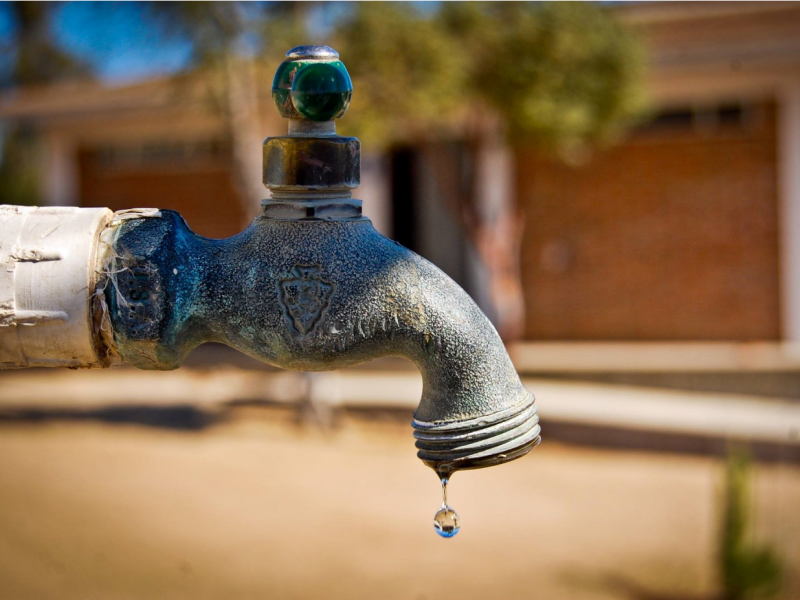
[
  {"x": 318, "y": 91},
  {"x": 321, "y": 91}
]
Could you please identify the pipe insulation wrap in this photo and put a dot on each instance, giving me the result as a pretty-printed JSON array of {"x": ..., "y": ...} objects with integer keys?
[{"x": 48, "y": 275}]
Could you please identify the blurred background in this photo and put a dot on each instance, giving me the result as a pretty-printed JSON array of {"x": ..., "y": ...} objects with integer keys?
[{"x": 617, "y": 185}]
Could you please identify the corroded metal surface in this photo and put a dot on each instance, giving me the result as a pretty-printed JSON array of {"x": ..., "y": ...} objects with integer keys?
[{"x": 316, "y": 295}]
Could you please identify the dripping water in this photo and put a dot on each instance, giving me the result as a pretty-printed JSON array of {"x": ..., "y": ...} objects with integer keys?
[{"x": 446, "y": 521}]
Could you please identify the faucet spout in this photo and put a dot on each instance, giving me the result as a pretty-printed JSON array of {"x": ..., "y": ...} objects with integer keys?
[
  {"x": 319, "y": 294},
  {"x": 312, "y": 286}
]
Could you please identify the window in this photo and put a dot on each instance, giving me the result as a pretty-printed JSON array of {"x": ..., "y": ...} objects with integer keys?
[{"x": 705, "y": 119}]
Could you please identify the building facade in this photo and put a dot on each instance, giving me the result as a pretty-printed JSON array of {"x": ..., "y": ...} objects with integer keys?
[{"x": 689, "y": 228}]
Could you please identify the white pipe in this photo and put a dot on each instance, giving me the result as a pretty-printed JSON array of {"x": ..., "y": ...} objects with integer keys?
[{"x": 48, "y": 275}]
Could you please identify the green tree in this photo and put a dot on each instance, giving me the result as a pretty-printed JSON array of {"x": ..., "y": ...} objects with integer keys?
[
  {"x": 409, "y": 79},
  {"x": 561, "y": 74},
  {"x": 35, "y": 57}
]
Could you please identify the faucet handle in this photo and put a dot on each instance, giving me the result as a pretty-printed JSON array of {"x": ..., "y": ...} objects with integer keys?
[
  {"x": 311, "y": 88},
  {"x": 312, "y": 84}
]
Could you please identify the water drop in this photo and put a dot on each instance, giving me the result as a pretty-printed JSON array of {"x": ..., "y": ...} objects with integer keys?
[{"x": 446, "y": 520}]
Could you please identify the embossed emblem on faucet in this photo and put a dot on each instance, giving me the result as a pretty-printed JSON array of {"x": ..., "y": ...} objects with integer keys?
[{"x": 304, "y": 297}]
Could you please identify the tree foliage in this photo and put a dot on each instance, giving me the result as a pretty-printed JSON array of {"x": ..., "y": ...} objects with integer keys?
[
  {"x": 561, "y": 75},
  {"x": 406, "y": 72},
  {"x": 31, "y": 58},
  {"x": 35, "y": 57}
]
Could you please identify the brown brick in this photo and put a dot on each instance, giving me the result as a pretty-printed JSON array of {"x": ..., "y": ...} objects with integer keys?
[
  {"x": 671, "y": 235},
  {"x": 202, "y": 192}
]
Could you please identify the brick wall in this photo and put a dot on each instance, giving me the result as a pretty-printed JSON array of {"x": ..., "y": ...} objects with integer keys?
[
  {"x": 671, "y": 235},
  {"x": 201, "y": 189}
]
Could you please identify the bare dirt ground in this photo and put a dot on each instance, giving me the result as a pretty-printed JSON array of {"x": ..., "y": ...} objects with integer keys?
[{"x": 259, "y": 507}]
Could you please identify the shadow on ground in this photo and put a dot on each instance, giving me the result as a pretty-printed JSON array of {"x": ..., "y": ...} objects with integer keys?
[{"x": 180, "y": 417}]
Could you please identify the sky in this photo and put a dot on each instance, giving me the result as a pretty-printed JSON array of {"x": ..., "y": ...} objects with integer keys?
[
  {"x": 123, "y": 45},
  {"x": 114, "y": 37},
  {"x": 118, "y": 41}
]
